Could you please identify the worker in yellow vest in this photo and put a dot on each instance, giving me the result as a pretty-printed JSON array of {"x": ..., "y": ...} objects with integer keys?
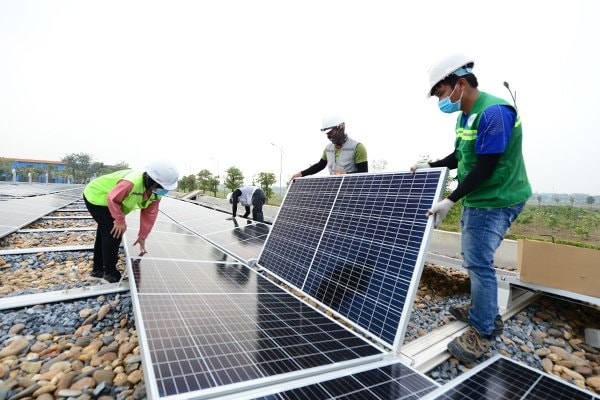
[{"x": 110, "y": 197}]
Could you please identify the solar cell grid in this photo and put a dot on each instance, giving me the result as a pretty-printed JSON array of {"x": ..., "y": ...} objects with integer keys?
[
  {"x": 178, "y": 277},
  {"x": 395, "y": 381},
  {"x": 205, "y": 329},
  {"x": 504, "y": 379},
  {"x": 365, "y": 249}
]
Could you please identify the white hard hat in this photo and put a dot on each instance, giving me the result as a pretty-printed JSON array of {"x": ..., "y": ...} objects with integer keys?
[
  {"x": 446, "y": 66},
  {"x": 330, "y": 122},
  {"x": 164, "y": 173}
]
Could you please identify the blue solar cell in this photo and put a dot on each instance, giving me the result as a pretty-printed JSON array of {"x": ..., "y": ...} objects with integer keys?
[
  {"x": 504, "y": 379},
  {"x": 360, "y": 256},
  {"x": 209, "y": 325},
  {"x": 391, "y": 382}
]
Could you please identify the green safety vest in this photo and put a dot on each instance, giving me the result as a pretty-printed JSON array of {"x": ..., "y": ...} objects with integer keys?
[
  {"x": 508, "y": 184},
  {"x": 96, "y": 192}
]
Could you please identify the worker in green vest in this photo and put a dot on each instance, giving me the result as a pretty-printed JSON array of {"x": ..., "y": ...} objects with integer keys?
[
  {"x": 343, "y": 155},
  {"x": 492, "y": 185},
  {"x": 110, "y": 197}
]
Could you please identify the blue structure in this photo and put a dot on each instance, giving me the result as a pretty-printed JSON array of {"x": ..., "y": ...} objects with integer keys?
[{"x": 22, "y": 165}]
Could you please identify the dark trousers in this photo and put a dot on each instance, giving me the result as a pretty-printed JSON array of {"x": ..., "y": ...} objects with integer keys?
[
  {"x": 258, "y": 199},
  {"x": 106, "y": 247}
]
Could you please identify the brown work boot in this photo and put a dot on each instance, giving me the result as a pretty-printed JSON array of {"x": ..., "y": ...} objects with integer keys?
[
  {"x": 461, "y": 313},
  {"x": 468, "y": 347}
]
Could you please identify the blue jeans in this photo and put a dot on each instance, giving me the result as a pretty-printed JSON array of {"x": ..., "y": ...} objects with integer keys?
[{"x": 482, "y": 232}]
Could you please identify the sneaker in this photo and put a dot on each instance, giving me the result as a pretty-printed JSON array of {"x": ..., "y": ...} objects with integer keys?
[
  {"x": 112, "y": 277},
  {"x": 469, "y": 346},
  {"x": 96, "y": 275},
  {"x": 461, "y": 313}
]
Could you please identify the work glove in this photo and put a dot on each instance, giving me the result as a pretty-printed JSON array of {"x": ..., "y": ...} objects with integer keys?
[
  {"x": 440, "y": 210},
  {"x": 417, "y": 166}
]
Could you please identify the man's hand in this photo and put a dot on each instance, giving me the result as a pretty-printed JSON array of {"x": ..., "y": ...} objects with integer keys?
[
  {"x": 142, "y": 243},
  {"x": 440, "y": 210},
  {"x": 417, "y": 166},
  {"x": 296, "y": 175},
  {"x": 118, "y": 229}
]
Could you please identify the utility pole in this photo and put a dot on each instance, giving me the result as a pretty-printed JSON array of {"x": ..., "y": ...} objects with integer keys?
[{"x": 280, "y": 169}]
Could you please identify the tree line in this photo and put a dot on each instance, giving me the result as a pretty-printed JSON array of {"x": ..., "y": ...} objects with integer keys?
[
  {"x": 81, "y": 168},
  {"x": 233, "y": 179}
]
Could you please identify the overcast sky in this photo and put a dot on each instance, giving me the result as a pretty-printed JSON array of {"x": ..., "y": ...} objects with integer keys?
[{"x": 211, "y": 84}]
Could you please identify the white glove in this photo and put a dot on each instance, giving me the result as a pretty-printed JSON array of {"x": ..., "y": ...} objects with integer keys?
[
  {"x": 440, "y": 210},
  {"x": 417, "y": 166}
]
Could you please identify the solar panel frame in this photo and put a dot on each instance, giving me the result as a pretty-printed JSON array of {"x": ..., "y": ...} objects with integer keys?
[
  {"x": 310, "y": 225},
  {"x": 387, "y": 379}
]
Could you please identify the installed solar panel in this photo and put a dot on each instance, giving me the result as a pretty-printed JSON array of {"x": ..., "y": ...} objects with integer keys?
[
  {"x": 208, "y": 327},
  {"x": 241, "y": 237},
  {"x": 356, "y": 243},
  {"x": 395, "y": 381},
  {"x": 17, "y": 213},
  {"x": 501, "y": 378}
]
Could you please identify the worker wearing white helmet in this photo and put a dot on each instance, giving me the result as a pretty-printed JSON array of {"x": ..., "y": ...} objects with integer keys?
[
  {"x": 110, "y": 197},
  {"x": 343, "y": 155},
  {"x": 248, "y": 196},
  {"x": 492, "y": 185}
]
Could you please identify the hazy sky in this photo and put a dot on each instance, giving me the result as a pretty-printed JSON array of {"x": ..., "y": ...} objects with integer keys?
[{"x": 211, "y": 84}]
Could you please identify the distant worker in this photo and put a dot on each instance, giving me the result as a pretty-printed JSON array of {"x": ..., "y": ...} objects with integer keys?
[
  {"x": 248, "y": 196},
  {"x": 493, "y": 186},
  {"x": 110, "y": 197},
  {"x": 343, "y": 155}
]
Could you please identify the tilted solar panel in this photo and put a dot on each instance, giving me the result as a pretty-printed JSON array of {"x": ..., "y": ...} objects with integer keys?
[{"x": 356, "y": 243}]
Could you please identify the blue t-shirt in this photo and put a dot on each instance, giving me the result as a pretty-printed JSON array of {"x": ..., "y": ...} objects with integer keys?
[{"x": 494, "y": 130}]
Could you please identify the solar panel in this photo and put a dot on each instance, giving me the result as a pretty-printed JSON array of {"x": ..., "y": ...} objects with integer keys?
[
  {"x": 501, "y": 378},
  {"x": 17, "y": 213},
  {"x": 206, "y": 328},
  {"x": 241, "y": 237},
  {"x": 356, "y": 244},
  {"x": 394, "y": 381}
]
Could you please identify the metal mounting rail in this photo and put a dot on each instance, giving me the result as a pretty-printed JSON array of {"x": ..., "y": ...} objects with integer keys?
[{"x": 7, "y": 303}]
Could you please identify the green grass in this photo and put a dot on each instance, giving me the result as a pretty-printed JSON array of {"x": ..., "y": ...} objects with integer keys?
[{"x": 576, "y": 226}]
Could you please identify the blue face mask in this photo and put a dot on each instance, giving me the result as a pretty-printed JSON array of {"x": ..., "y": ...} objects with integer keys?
[
  {"x": 161, "y": 192},
  {"x": 446, "y": 105}
]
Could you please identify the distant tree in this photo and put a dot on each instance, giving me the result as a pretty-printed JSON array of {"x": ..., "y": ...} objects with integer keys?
[
  {"x": 539, "y": 199},
  {"x": 379, "y": 165},
  {"x": 266, "y": 180},
  {"x": 234, "y": 178},
  {"x": 590, "y": 200},
  {"x": 78, "y": 166},
  {"x": 556, "y": 198},
  {"x": 208, "y": 182},
  {"x": 187, "y": 183},
  {"x": 119, "y": 166},
  {"x": 214, "y": 184},
  {"x": 6, "y": 167},
  {"x": 51, "y": 169},
  {"x": 571, "y": 200}
]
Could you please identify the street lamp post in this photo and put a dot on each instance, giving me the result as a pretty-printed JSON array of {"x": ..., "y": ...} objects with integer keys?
[
  {"x": 280, "y": 168},
  {"x": 218, "y": 172}
]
